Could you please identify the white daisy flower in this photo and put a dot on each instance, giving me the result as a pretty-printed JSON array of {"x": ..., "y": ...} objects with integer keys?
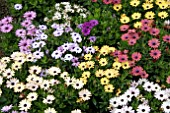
[
  {"x": 43, "y": 36},
  {"x": 32, "y": 96},
  {"x": 24, "y": 105},
  {"x": 114, "y": 102},
  {"x": 35, "y": 45},
  {"x": 143, "y": 108},
  {"x": 56, "y": 54},
  {"x": 122, "y": 100},
  {"x": 166, "y": 106},
  {"x": 127, "y": 109},
  {"x": 148, "y": 86},
  {"x": 85, "y": 94},
  {"x": 156, "y": 87},
  {"x": 76, "y": 111},
  {"x": 38, "y": 54},
  {"x": 134, "y": 91},
  {"x": 50, "y": 110},
  {"x": 161, "y": 95},
  {"x": 78, "y": 84},
  {"x": 18, "y": 6},
  {"x": 68, "y": 57}
]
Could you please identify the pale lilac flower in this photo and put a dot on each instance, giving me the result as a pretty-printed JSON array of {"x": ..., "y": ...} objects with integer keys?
[
  {"x": 68, "y": 29},
  {"x": 43, "y": 36},
  {"x": 26, "y": 23},
  {"x": 20, "y": 33},
  {"x": 58, "y": 33},
  {"x": 6, "y": 28},
  {"x": 6, "y": 108},
  {"x": 55, "y": 26},
  {"x": 14, "y": 112},
  {"x": 61, "y": 49},
  {"x": 56, "y": 54},
  {"x": 68, "y": 57},
  {"x": 89, "y": 50},
  {"x": 42, "y": 27},
  {"x": 25, "y": 43},
  {"x": 80, "y": 26},
  {"x": 92, "y": 38},
  {"x": 7, "y": 20},
  {"x": 38, "y": 54},
  {"x": 30, "y": 15},
  {"x": 43, "y": 73},
  {"x": 77, "y": 49}
]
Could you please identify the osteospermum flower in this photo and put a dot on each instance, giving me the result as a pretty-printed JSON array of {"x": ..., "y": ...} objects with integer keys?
[
  {"x": 76, "y": 111},
  {"x": 154, "y": 43},
  {"x": 24, "y": 105},
  {"x": 163, "y": 14},
  {"x": 136, "y": 70},
  {"x": 107, "y": 1},
  {"x": 166, "y": 106},
  {"x": 142, "y": 108},
  {"x": 124, "y": 27},
  {"x": 136, "y": 15},
  {"x": 6, "y": 28},
  {"x": 109, "y": 88},
  {"x": 155, "y": 54},
  {"x": 136, "y": 56},
  {"x": 134, "y": 3},
  {"x": 150, "y": 15},
  {"x": 6, "y": 108},
  {"x": 18, "y": 6},
  {"x": 122, "y": 58},
  {"x": 117, "y": 7},
  {"x": 85, "y": 94},
  {"x": 166, "y": 38},
  {"x": 50, "y": 110},
  {"x": 30, "y": 15},
  {"x": 147, "y": 6},
  {"x": 154, "y": 31}
]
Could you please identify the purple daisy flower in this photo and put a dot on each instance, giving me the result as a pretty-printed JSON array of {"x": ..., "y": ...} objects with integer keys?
[
  {"x": 94, "y": 22},
  {"x": 43, "y": 73},
  {"x": 87, "y": 25},
  {"x": 6, "y": 108},
  {"x": 85, "y": 31},
  {"x": 92, "y": 38},
  {"x": 7, "y": 20},
  {"x": 80, "y": 26},
  {"x": 25, "y": 43},
  {"x": 20, "y": 33},
  {"x": 26, "y": 23},
  {"x": 6, "y": 28},
  {"x": 30, "y": 15}
]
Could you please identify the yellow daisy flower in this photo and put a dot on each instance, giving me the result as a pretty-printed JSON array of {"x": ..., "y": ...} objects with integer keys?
[
  {"x": 111, "y": 73},
  {"x": 136, "y": 16},
  {"x": 163, "y": 14},
  {"x": 147, "y": 6},
  {"x": 86, "y": 74},
  {"x": 112, "y": 49},
  {"x": 137, "y": 25},
  {"x": 84, "y": 80},
  {"x": 90, "y": 64},
  {"x": 82, "y": 65},
  {"x": 117, "y": 7},
  {"x": 88, "y": 56},
  {"x": 124, "y": 19},
  {"x": 104, "y": 50},
  {"x": 109, "y": 88},
  {"x": 99, "y": 73},
  {"x": 96, "y": 48},
  {"x": 134, "y": 3},
  {"x": 104, "y": 81},
  {"x": 125, "y": 65},
  {"x": 164, "y": 5},
  {"x": 116, "y": 65},
  {"x": 148, "y": 1},
  {"x": 103, "y": 61},
  {"x": 158, "y": 2},
  {"x": 149, "y": 15}
]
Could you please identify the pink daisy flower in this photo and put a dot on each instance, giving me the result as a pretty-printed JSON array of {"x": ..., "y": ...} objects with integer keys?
[
  {"x": 154, "y": 31},
  {"x": 26, "y": 23},
  {"x": 122, "y": 58},
  {"x": 125, "y": 51},
  {"x": 154, "y": 43},
  {"x": 136, "y": 56},
  {"x": 107, "y": 1},
  {"x": 136, "y": 70},
  {"x": 166, "y": 38},
  {"x": 131, "y": 63},
  {"x": 116, "y": 53},
  {"x": 145, "y": 22},
  {"x": 143, "y": 74},
  {"x": 30, "y": 15},
  {"x": 131, "y": 31},
  {"x": 7, "y": 20},
  {"x": 124, "y": 27},
  {"x": 20, "y": 33},
  {"x": 135, "y": 36},
  {"x": 168, "y": 80},
  {"x": 116, "y": 1},
  {"x": 6, "y": 28},
  {"x": 131, "y": 42},
  {"x": 155, "y": 54},
  {"x": 125, "y": 36},
  {"x": 145, "y": 28}
]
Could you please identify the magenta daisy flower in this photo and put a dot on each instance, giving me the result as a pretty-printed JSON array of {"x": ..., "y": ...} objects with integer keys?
[
  {"x": 155, "y": 54},
  {"x": 166, "y": 38},
  {"x": 131, "y": 42},
  {"x": 131, "y": 63},
  {"x": 125, "y": 36},
  {"x": 154, "y": 31},
  {"x": 26, "y": 23},
  {"x": 122, "y": 58},
  {"x": 136, "y": 71},
  {"x": 20, "y": 33},
  {"x": 30, "y": 15},
  {"x": 116, "y": 1},
  {"x": 154, "y": 43},
  {"x": 136, "y": 56},
  {"x": 6, "y": 28},
  {"x": 124, "y": 27},
  {"x": 145, "y": 28}
]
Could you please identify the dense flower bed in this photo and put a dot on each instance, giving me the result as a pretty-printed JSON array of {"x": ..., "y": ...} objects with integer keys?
[{"x": 85, "y": 57}]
